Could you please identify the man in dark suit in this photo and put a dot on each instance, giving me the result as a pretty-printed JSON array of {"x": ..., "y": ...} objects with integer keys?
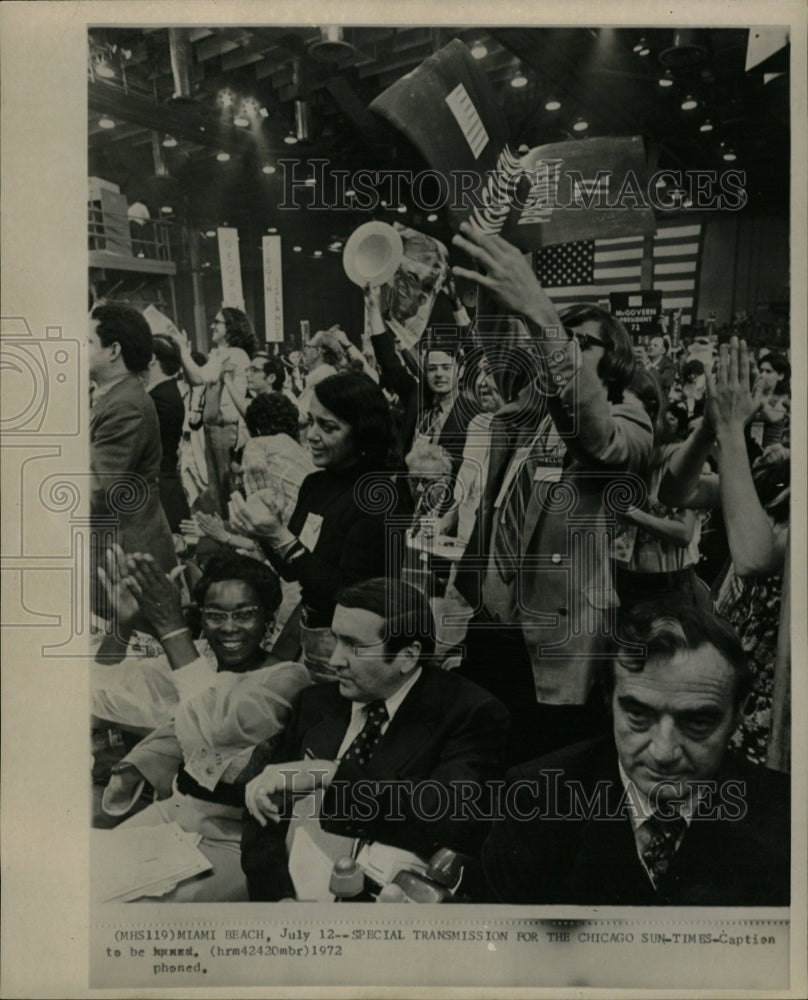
[
  {"x": 434, "y": 406},
  {"x": 125, "y": 451},
  {"x": 661, "y": 812},
  {"x": 161, "y": 383},
  {"x": 398, "y": 745}
]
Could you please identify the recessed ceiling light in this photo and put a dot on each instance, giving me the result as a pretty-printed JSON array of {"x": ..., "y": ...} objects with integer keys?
[
  {"x": 478, "y": 50},
  {"x": 552, "y": 104},
  {"x": 222, "y": 156},
  {"x": 706, "y": 126},
  {"x": 318, "y": 253},
  {"x": 432, "y": 217},
  {"x": 166, "y": 209},
  {"x": 106, "y": 122},
  {"x": 666, "y": 80},
  {"x": 730, "y": 155},
  {"x": 272, "y": 229},
  {"x": 210, "y": 233},
  {"x": 689, "y": 103},
  {"x": 297, "y": 249},
  {"x": 291, "y": 139},
  {"x": 519, "y": 80},
  {"x": 268, "y": 168},
  {"x": 580, "y": 124},
  {"x": 402, "y": 209}
]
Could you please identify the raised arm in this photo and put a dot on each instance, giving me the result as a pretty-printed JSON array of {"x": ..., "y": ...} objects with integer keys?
[{"x": 756, "y": 548}]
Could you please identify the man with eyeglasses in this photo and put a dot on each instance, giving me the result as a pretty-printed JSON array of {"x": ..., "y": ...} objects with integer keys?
[
  {"x": 399, "y": 750},
  {"x": 538, "y": 567}
]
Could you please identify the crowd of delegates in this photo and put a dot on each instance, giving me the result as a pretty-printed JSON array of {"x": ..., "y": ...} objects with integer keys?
[{"x": 391, "y": 581}]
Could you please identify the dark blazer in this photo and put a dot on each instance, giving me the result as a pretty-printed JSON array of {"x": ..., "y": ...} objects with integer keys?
[
  {"x": 447, "y": 733},
  {"x": 593, "y": 861},
  {"x": 125, "y": 456},
  {"x": 171, "y": 417}
]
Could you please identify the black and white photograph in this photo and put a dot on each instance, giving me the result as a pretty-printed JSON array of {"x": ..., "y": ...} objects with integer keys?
[{"x": 397, "y": 500}]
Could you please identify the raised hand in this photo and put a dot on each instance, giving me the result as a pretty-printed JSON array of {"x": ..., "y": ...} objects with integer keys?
[
  {"x": 120, "y": 587},
  {"x": 730, "y": 402},
  {"x": 158, "y": 597},
  {"x": 506, "y": 274},
  {"x": 259, "y": 516},
  {"x": 212, "y": 526}
]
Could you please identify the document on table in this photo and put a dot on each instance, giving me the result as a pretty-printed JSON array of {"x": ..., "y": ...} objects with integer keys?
[{"x": 144, "y": 861}]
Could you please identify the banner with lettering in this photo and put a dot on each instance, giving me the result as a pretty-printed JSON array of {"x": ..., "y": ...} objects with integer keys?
[
  {"x": 273, "y": 289},
  {"x": 230, "y": 265}
]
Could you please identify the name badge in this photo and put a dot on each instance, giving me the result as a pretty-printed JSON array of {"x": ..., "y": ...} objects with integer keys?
[{"x": 311, "y": 531}]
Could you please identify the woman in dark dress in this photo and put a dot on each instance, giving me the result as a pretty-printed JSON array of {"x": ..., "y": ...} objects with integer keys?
[
  {"x": 338, "y": 532},
  {"x": 165, "y": 394}
]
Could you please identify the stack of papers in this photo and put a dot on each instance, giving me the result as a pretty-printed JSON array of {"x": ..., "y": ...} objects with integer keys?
[{"x": 131, "y": 862}]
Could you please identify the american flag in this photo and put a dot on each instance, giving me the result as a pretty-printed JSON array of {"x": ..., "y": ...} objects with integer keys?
[{"x": 588, "y": 270}]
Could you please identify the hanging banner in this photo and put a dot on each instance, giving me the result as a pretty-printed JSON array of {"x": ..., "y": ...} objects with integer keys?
[
  {"x": 273, "y": 289},
  {"x": 230, "y": 265}
]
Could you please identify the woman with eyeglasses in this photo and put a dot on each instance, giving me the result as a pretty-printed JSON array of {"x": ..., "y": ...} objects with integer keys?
[
  {"x": 337, "y": 533},
  {"x": 225, "y": 377},
  {"x": 232, "y": 698}
]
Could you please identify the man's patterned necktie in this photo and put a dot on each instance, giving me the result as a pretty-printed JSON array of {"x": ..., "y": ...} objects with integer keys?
[
  {"x": 364, "y": 743},
  {"x": 661, "y": 835}
]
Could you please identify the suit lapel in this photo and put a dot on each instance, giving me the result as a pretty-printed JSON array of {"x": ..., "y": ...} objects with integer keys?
[{"x": 323, "y": 737}]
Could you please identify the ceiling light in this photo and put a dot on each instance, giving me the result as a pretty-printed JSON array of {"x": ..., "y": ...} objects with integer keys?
[
  {"x": 432, "y": 217},
  {"x": 666, "y": 80},
  {"x": 402, "y": 209},
  {"x": 310, "y": 182},
  {"x": 318, "y": 253},
  {"x": 580, "y": 124},
  {"x": 222, "y": 156},
  {"x": 478, "y": 50},
  {"x": 263, "y": 112},
  {"x": 644, "y": 50},
  {"x": 552, "y": 104},
  {"x": 335, "y": 246},
  {"x": 350, "y": 193},
  {"x": 169, "y": 142},
  {"x": 730, "y": 155},
  {"x": 166, "y": 209},
  {"x": 297, "y": 249},
  {"x": 519, "y": 79},
  {"x": 268, "y": 168},
  {"x": 689, "y": 103},
  {"x": 242, "y": 121},
  {"x": 272, "y": 229},
  {"x": 210, "y": 233},
  {"x": 639, "y": 46},
  {"x": 106, "y": 122},
  {"x": 706, "y": 126},
  {"x": 290, "y": 139},
  {"x": 383, "y": 203}
]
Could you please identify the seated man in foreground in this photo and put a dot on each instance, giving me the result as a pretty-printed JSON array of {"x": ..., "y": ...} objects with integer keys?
[
  {"x": 395, "y": 747},
  {"x": 660, "y": 812}
]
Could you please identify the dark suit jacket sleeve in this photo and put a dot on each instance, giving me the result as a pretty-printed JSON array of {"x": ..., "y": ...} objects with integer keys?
[
  {"x": 116, "y": 442},
  {"x": 263, "y": 848},
  {"x": 396, "y": 377},
  {"x": 428, "y": 812}
]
